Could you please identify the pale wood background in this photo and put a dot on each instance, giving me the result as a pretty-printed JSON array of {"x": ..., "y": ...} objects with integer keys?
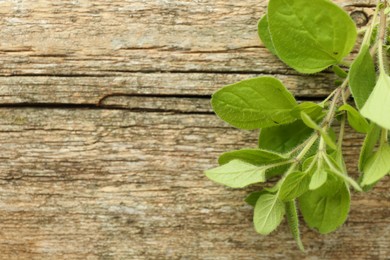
[{"x": 106, "y": 127}]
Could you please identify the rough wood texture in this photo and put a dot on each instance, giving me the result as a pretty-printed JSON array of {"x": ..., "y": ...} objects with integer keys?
[{"x": 106, "y": 128}]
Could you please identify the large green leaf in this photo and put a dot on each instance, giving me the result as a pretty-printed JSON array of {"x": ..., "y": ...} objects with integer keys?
[
  {"x": 294, "y": 185},
  {"x": 237, "y": 174},
  {"x": 268, "y": 213},
  {"x": 377, "y": 106},
  {"x": 377, "y": 166},
  {"x": 327, "y": 207},
  {"x": 362, "y": 76},
  {"x": 284, "y": 138},
  {"x": 254, "y": 103},
  {"x": 310, "y": 35},
  {"x": 265, "y": 36}
]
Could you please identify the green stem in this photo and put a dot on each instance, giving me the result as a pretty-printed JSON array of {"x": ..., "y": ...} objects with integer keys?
[
  {"x": 332, "y": 109},
  {"x": 298, "y": 159},
  {"x": 342, "y": 130},
  {"x": 329, "y": 97},
  {"x": 368, "y": 34},
  {"x": 321, "y": 146},
  {"x": 281, "y": 163},
  {"x": 382, "y": 34},
  {"x": 293, "y": 222},
  {"x": 384, "y": 136},
  {"x": 304, "y": 151},
  {"x": 342, "y": 175}
]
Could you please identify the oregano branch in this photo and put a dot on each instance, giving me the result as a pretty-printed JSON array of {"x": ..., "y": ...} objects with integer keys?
[{"x": 298, "y": 141}]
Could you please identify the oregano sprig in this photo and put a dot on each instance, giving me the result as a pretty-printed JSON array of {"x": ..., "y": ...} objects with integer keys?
[{"x": 297, "y": 142}]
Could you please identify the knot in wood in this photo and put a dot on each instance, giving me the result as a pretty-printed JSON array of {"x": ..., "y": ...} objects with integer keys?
[{"x": 360, "y": 18}]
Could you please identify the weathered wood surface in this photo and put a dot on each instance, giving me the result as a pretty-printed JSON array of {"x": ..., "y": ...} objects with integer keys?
[{"x": 105, "y": 129}]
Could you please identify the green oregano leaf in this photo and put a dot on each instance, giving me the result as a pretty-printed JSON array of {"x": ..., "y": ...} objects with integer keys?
[
  {"x": 319, "y": 176},
  {"x": 318, "y": 179},
  {"x": 268, "y": 213},
  {"x": 339, "y": 71},
  {"x": 327, "y": 207},
  {"x": 355, "y": 119},
  {"x": 377, "y": 166},
  {"x": 257, "y": 157},
  {"x": 377, "y": 107},
  {"x": 294, "y": 185},
  {"x": 237, "y": 174},
  {"x": 312, "y": 109},
  {"x": 310, "y": 36},
  {"x": 252, "y": 156},
  {"x": 254, "y": 103},
  {"x": 370, "y": 141},
  {"x": 252, "y": 198},
  {"x": 284, "y": 138},
  {"x": 362, "y": 76},
  {"x": 265, "y": 36},
  {"x": 310, "y": 123}
]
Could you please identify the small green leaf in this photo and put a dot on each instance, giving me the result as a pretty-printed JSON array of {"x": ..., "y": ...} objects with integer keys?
[
  {"x": 284, "y": 138},
  {"x": 355, "y": 119},
  {"x": 268, "y": 213},
  {"x": 237, "y": 174},
  {"x": 293, "y": 222},
  {"x": 377, "y": 107},
  {"x": 294, "y": 185},
  {"x": 318, "y": 179},
  {"x": 362, "y": 76},
  {"x": 257, "y": 157},
  {"x": 312, "y": 109},
  {"x": 254, "y": 103},
  {"x": 252, "y": 198},
  {"x": 265, "y": 36},
  {"x": 339, "y": 72},
  {"x": 327, "y": 207},
  {"x": 310, "y": 123},
  {"x": 370, "y": 141},
  {"x": 309, "y": 36},
  {"x": 252, "y": 156},
  {"x": 377, "y": 166},
  {"x": 307, "y": 164}
]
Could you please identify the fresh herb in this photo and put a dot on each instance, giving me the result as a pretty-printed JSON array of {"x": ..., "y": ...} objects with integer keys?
[{"x": 297, "y": 142}]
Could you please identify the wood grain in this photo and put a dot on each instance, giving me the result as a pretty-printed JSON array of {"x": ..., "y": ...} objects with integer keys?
[
  {"x": 104, "y": 37},
  {"x": 94, "y": 90},
  {"x": 106, "y": 129},
  {"x": 114, "y": 184}
]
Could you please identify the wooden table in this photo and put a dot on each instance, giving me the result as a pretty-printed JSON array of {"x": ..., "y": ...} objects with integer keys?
[{"x": 106, "y": 128}]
